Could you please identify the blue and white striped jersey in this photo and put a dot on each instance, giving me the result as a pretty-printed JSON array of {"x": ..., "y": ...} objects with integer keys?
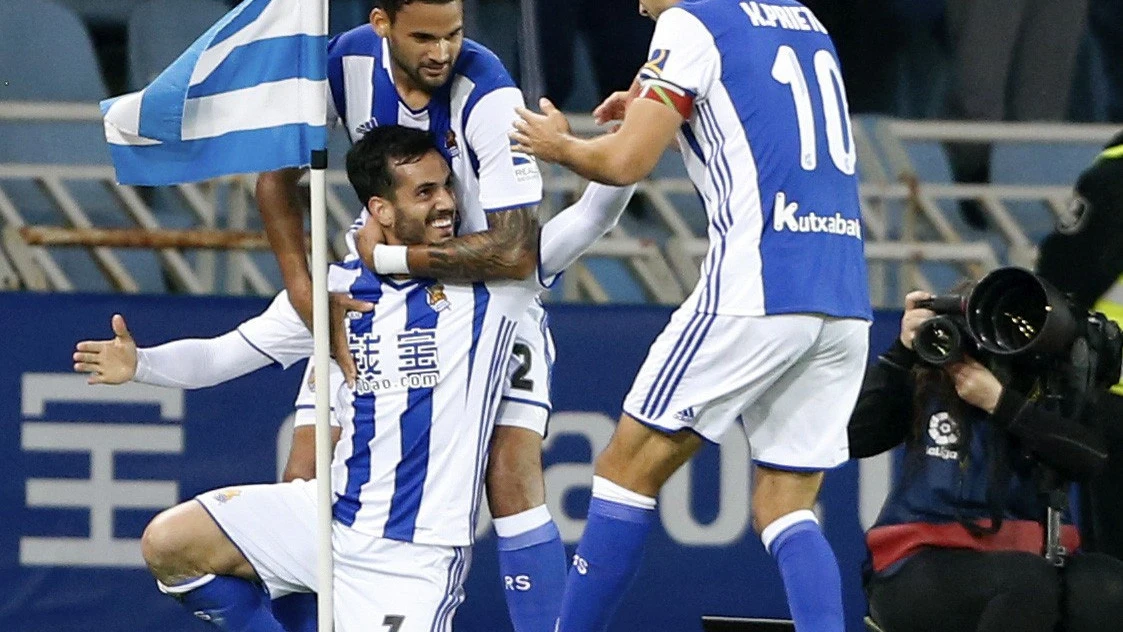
[
  {"x": 468, "y": 117},
  {"x": 767, "y": 143},
  {"x": 432, "y": 363}
]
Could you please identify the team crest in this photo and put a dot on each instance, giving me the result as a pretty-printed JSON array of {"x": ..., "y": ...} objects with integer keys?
[
  {"x": 224, "y": 495},
  {"x": 450, "y": 144},
  {"x": 437, "y": 299},
  {"x": 366, "y": 127},
  {"x": 655, "y": 63}
]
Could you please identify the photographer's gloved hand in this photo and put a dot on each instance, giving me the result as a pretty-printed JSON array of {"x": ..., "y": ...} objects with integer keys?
[
  {"x": 913, "y": 316},
  {"x": 975, "y": 384}
]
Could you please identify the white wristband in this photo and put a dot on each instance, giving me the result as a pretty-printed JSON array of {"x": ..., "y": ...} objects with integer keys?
[{"x": 390, "y": 259}]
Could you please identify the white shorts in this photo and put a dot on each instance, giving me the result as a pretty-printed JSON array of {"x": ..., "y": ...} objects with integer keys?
[
  {"x": 378, "y": 583},
  {"x": 792, "y": 379},
  {"x": 526, "y": 399}
]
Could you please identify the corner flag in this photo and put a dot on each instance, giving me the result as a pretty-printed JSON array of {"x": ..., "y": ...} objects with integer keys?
[{"x": 248, "y": 96}]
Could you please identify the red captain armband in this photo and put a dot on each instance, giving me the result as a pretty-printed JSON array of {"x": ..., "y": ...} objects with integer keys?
[{"x": 681, "y": 101}]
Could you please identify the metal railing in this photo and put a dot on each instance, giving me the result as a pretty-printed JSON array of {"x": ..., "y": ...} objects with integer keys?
[{"x": 905, "y": 224}]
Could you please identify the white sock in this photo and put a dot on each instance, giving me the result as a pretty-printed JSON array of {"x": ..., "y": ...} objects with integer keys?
[
  {"x": 522, "y": 522},
  {"x": 607, "y": 490},
  {"x": 779, "y": 525}
]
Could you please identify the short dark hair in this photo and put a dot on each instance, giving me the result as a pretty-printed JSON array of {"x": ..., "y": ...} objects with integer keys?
[
  {"x": 391, "y": 7},
  {"x": 371, "y": 161}
]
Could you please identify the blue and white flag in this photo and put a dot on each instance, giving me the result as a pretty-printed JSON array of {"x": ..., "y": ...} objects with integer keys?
[{"x": 250, "y": 95}]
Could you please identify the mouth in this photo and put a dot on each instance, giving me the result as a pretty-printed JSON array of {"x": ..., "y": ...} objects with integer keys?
[
  {"x": 442, "y": 223},
  {"x": 434, "y": 71}
]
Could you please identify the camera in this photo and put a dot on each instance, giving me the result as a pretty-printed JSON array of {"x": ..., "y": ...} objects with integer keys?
[{"x": 1015, "y": 316}]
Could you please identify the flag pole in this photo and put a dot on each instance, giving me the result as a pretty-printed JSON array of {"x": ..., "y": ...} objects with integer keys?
[{"x": 320, "y": 334}]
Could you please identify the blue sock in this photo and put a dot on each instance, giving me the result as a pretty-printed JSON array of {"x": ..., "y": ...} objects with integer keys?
[
  {"x": 228, "y": 603},
  {"x": 296, "y": 612},
  {"x": 810, "y": 572},
  {"x": 532, "y": 566},
  {"x": 607, "y": 560}
]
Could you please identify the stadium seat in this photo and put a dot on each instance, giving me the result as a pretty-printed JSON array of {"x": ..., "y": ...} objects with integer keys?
[
  {"x": 103, "y": 12},
  {"x": 57, "y": 64}
]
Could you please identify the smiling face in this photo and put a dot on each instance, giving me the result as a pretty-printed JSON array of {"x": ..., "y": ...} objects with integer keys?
[
  {"x": 422, "y": 206},
  {"x": 424, "y": 40}
]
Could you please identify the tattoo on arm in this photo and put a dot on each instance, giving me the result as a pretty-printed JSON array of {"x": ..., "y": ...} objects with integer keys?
[{"x": 508, "y": 249}]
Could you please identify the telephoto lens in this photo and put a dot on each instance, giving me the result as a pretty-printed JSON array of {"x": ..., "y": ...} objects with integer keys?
[{"x": 939, "y": 340}]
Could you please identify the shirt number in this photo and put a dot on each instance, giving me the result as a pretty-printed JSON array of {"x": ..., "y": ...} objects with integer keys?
[{"x": 840, "y": 139}]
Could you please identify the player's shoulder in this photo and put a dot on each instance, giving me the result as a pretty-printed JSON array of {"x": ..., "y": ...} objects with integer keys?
[
  {"x": 482, "y": 68},
  {"x": 361, "y": 40}
]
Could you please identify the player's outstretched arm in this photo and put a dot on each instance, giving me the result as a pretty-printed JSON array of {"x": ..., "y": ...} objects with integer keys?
[
  {"x": 570, "y": 233},
  {"x": 620, "y": 158},
  {"x": 108, "y": 361},
  {"x": 508, "y": 249}
]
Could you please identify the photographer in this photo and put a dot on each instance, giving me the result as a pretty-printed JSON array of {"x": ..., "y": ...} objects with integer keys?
[{"x": 958, "y": 545}]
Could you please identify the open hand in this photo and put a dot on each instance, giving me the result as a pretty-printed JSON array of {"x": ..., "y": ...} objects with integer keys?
[
  {"x": 542, "y": 135},
  {"x": 367, "y": 237},
  {"x": 108, "y": 361},
  {"x": 340, "y": 348},
  {"x": 616, "y": 105}
]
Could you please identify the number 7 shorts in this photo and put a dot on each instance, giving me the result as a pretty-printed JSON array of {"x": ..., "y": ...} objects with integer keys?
[
  {"x": 380, "y": 585},
  {"x": 791, "y": 379}
]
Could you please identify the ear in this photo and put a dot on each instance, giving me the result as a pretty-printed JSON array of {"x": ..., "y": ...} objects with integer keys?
[
  {"x": 380, "y": 21},
  {"x": 382, "y": 210}
]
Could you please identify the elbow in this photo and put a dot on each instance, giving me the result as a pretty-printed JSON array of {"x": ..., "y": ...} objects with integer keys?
[{"x": 625, "y": 171}]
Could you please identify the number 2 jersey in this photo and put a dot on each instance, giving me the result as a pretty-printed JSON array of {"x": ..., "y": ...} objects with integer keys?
[{"x": 768, "y": 145}]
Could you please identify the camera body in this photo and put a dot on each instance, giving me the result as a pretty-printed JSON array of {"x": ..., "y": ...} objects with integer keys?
[{"x": 1014, "y": 317}]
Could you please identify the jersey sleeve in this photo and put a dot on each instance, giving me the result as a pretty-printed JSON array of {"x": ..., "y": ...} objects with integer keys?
[
  {"x": 571, "y": 232},
  {"x": 682, "y": 62},
  {"x": 508, "y": 179},
  {"x": 278, "y": 332}
]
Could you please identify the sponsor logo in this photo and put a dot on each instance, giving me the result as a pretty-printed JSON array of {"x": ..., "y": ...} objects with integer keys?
[
  {"x": 944, "y": 432},
  {"x": 784, "y": 218},
  {"x": 228, "y": 494}
]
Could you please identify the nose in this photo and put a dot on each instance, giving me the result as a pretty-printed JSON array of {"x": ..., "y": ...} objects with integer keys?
[
  {"x": 445, "y": 201},
  {"x": 444, "y": 48}
]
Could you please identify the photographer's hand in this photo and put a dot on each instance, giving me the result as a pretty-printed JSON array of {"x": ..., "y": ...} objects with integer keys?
[
  {"x": 913, "y": 316},
  {"x": 975, "y": 384}
]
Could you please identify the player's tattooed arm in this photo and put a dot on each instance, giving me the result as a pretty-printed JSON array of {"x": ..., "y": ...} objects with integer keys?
[{"x": 508, "y": 249}]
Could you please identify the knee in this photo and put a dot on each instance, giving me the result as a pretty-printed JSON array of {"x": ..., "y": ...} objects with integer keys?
[{"x": 162, "y": 545}]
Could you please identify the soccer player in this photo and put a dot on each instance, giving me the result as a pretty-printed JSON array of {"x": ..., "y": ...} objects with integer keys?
[
  {"x": 776, "y": 332},
  {"x": 412, "y": 66},
  {"x": 408, "y": 471}
]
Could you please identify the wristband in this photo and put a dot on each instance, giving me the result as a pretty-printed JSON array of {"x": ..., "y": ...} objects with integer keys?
[{"x": 390, "y": 259}]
